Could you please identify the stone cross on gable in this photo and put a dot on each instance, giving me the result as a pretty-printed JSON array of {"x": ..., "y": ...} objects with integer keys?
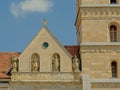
[{"x": 44, "y": 22}]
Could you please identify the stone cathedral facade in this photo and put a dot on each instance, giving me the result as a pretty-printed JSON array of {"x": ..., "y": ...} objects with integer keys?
[{"x": 92, "y": 64}]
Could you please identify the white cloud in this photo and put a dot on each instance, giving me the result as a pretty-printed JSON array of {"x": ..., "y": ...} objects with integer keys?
[{"x": 30, "y": 6}]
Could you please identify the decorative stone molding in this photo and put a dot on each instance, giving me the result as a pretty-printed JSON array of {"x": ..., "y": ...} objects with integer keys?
[
  {"x": 109, "y": 49},
  {"x": 103, "y": 83},
  {"x": 100, "y": 51},
  {"x": 28, "y": 76},
  {"x": 94, "y": 51},
  {"x": 99, "y": 11}
]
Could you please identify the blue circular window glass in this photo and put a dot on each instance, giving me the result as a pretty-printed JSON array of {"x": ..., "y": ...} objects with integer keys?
[{"x": 45, "y": 44}]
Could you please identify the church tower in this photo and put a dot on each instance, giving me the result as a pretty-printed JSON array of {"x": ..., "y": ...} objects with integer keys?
[
  {"x": 98, "y": 21},
  {"x": 98, "y": 34}
]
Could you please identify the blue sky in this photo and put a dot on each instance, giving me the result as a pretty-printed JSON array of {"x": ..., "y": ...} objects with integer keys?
[{"x": 21, "y": 20}]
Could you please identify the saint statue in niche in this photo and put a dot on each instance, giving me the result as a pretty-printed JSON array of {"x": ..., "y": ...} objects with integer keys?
[
  {"x": 56, "y": 63},
  {"x": 35, "y": 63},
  {"x": 14, "y": 62},
  {"x": 76, "y": 64}
]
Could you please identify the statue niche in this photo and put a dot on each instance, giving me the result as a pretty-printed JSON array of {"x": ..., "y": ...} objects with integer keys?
[
  {"x": 56, "y": 63},
  {"x": 35, "y": 62},
  {"x": 76, "y": 64},
  {"x": 15, "y": 63}
]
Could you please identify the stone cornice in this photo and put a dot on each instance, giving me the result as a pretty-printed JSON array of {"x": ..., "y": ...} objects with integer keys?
[
  {"x": 100, "y": 44},
  {"x": 45, "y": 77},
  {"x": 98, "y": 11},
  {"x": 99, "y": 5},
  {"x": 109, "y": 83},
  {"x": 112, "y": 80},
  {"x": 105, "y": 85},
  {"x": 100, "y": 48}
]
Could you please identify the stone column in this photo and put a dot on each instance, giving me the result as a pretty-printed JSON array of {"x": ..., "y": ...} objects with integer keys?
[{"x": 86, "y": 82}]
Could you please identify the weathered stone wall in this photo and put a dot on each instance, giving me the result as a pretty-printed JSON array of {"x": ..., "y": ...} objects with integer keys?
[
  {"x": 100, "y": 84},
  {"x": 96, "y": 60},
  {"x": 106, "y": 86},
  {"x": 93, "y": 23},
  {"x": 45, "y": 86}
]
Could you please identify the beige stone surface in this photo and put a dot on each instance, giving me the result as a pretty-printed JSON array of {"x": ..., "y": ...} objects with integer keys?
[
  {"x": 96, "y": 60},
  {"x": 93, "y": 23},
  {"x": 36, "y": 46},
  {"x": 45, "y": 86}
]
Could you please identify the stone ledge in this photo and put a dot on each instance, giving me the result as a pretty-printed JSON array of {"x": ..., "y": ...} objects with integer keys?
[
  {"x": 100, "y": 43},
  {"x": 113, "y": 80},
  {"x": 104, "y": 5}
]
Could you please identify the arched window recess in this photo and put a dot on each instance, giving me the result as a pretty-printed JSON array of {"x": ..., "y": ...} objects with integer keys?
[
  {"x": 56, "y": 62},
  {"x": 35, "y": 62},
  {"x": 113, "y": 33}
]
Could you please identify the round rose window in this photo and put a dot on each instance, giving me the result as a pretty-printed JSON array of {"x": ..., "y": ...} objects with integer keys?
[{"x": 45, "y": 44}]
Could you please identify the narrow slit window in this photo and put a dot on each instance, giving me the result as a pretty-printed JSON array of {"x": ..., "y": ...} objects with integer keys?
[
  {"x": 113, "y": 1},
  {"x": 114, "y": 69}
]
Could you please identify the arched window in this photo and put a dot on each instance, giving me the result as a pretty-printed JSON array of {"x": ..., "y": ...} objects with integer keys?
[
  {"x": 56, "y": 62},
  {"x": 35, "y": 62},
  {"x": 113, "y": 1},
  {"x": 113, "y": 33},
  {"x": 114, "y": 69}
]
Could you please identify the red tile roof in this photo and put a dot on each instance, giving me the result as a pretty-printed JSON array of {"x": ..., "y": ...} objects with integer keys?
[
  {"x": 73, "y": 50},
  {"x": 4, "y": 76},
  {"x": 5, "y": 63}
]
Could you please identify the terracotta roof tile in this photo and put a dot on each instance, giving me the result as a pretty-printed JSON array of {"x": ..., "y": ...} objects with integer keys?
[
  {"x": 5, "y": 62},
  {"x": 73, "y": 50},
  {"x": 4, "y": 76}
]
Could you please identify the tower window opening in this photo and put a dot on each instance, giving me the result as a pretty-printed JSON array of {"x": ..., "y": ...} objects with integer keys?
[
  {"x": 113, "y": 1},
  {"x": 113, "y": 33},
  {"x": 114, "y": 69}
]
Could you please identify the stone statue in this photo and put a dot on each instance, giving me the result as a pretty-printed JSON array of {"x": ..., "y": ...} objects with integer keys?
[
  {"x": 76, "y": 64},
  {"x": 35, "y": 64},
  {"x": 14, "y": 62},
  {"x": 56, "y": 63}
]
